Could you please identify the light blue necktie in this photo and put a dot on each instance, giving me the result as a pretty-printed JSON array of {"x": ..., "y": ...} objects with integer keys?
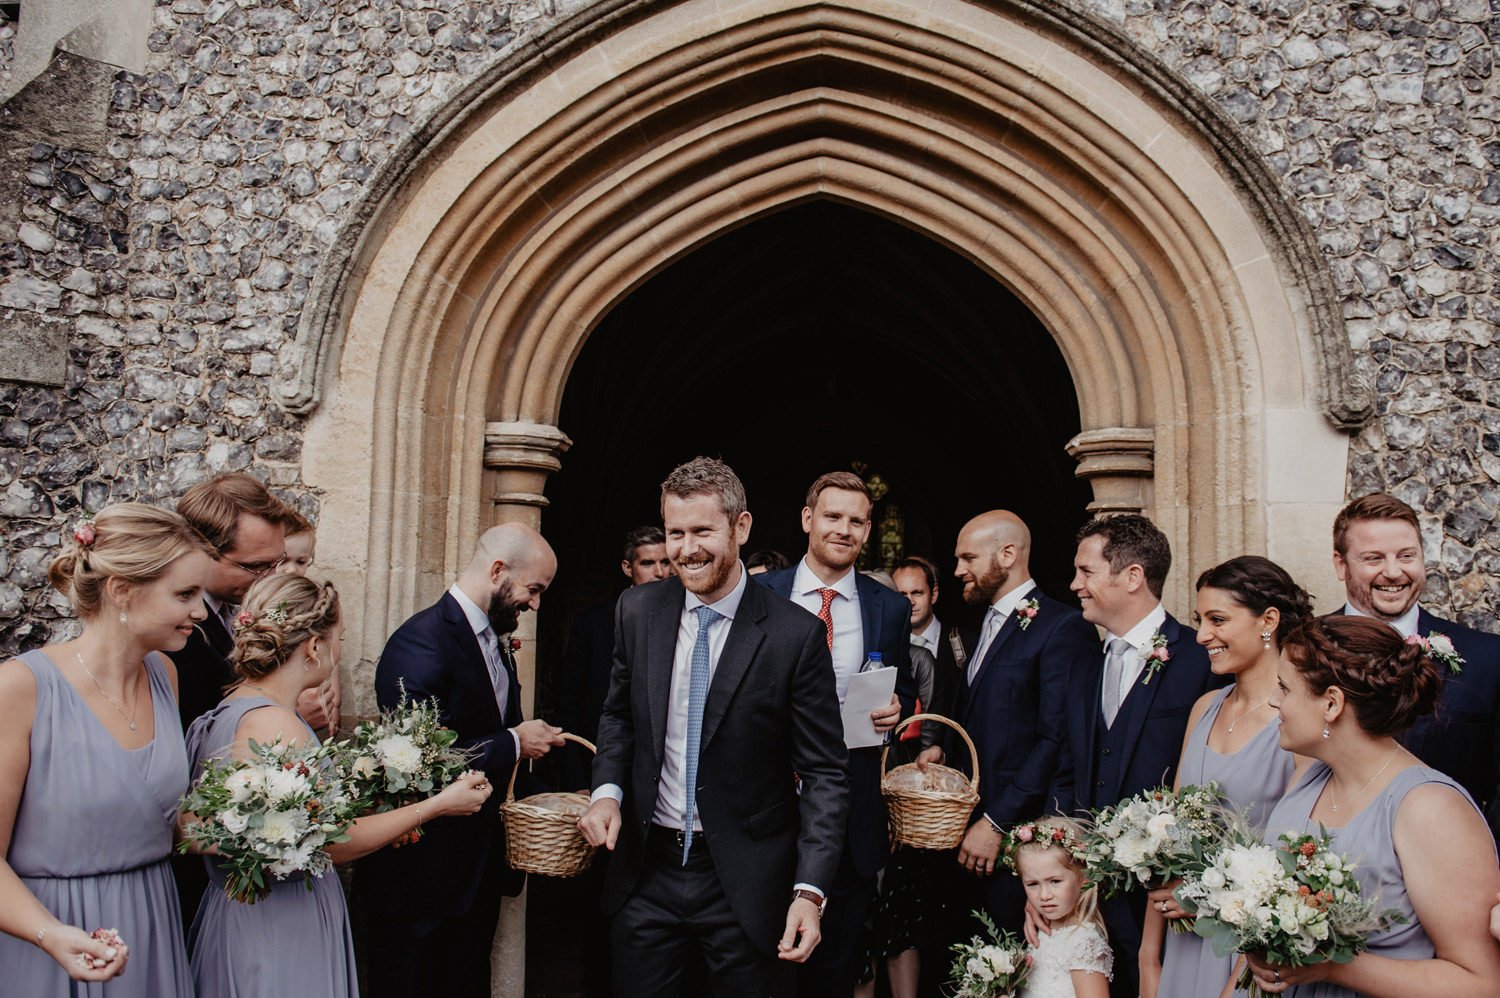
[{"x": 697, "y": 695}]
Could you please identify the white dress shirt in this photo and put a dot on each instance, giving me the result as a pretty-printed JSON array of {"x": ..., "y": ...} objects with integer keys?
[
  {"x": 931, "y": 635},
  {"x": 1139, "y": 638},
  {"x": 217, "y": 607},
  {"x": 489, "y": 646},
  {"x": 1406, "y": 623},
  {"x": 995, "y": 618},
  {"x": 848, "y": 625}
]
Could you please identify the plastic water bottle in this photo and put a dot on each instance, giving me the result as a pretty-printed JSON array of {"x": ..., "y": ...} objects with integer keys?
[{"x": 872, "y": 663}]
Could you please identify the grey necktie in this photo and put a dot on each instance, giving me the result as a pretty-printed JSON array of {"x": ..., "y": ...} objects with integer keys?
[
  {"x": 919, "y": 641},
  {"x": 986, "y": 638},
  {"x": 1114, "y": 668}
]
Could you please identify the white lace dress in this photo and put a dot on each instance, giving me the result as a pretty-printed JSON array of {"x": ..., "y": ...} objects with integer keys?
[{"x": 1076, "y": 947}]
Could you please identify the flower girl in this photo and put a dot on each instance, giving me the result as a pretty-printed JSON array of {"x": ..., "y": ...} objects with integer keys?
[{"x": 1073, "y": 960}]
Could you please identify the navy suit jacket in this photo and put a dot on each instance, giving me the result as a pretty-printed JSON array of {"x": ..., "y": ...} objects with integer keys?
[
  {"x": 435, "y": 654},
  {"x": 581, "y": 689},
  {"x": 203, "y": 668},
  {"x": 1015, "y": 710},
  {"x": 1462, "y": 737},
  {"x": 887, "y": 620},
  {"x": 1155, "y": 715}
]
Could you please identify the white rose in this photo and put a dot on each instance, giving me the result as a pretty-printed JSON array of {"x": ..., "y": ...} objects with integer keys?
[
  {"x": 364, "y": 767},
  {"x": 1440, "y": 644},
  {"x": 1213, "y": 878},
  {"x": 242, "y": 784},
  {"x": 1157, "y": 826},
  {"x": 978, "y": 968},
  {"x": 1001, "y": 960},
  {"x": 1130, "y": 851},
  {"x": 234, "y": 820},
  {"x": 399, "y": 752}
]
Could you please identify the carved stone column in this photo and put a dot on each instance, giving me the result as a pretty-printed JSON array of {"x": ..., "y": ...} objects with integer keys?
[
  {"x": 1118, "y": 462},
  {"x": 518, "y": 457}
]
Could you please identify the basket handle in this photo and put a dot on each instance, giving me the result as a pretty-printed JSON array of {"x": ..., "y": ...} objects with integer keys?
[
  {"x": 510, "y": 790},
  {"x": 973, "y": 755}
]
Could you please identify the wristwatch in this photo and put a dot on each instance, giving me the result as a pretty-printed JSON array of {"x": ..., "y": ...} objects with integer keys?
[{"x": 819, "y": 901}]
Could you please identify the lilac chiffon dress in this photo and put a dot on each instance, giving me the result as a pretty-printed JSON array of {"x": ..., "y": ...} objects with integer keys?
[
  {"x": 294, "y": 942},
  {"x": 92, "y": 835},
  {"x": 1370, "y": 840},
  {"x": 1252, "y": 779}
]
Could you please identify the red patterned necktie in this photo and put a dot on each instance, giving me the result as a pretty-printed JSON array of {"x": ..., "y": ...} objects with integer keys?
[{"x": 825, "y": 615}]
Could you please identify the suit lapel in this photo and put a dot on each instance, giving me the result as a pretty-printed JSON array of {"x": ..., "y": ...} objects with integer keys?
[
  {"x": 477, "y": 671},
  {"x": 869, "y": 612},
  {"x": 661, "y": 650},
  {"x": 745, "y": 637},
  {"x": 1143, "y": 694},
  {"x": 1093, "y": 725},
  {"x": 1007, "y": 628}
]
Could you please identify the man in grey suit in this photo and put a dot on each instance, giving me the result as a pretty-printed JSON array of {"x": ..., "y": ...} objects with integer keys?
[{"x": 721, "y": 697}]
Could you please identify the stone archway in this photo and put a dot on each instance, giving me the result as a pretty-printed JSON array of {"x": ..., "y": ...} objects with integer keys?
[{"x": 1186, "y": 295}]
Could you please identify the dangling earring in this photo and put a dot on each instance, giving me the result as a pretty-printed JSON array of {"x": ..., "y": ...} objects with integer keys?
[
  {"x": 1325, "y": 731},
  {"x": 1266, "y": 637},
  {"x": 122, "y": 616}
]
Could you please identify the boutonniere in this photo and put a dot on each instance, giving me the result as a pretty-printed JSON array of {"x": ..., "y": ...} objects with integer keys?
[
  {"x": 515, "y": 644},
  {"x": 1156, "y": 657},
  {"x": 1025, "y": 610},
  {"x": 1440, "y": 647}
]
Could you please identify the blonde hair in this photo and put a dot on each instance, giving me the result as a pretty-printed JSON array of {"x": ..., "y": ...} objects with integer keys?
[
  {"x": 1086, "y": 912},
  {"x": 129, "y": 541},
  {"x": 280, "y": 612}
]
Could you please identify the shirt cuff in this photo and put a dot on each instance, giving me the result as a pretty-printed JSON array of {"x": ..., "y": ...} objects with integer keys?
[
  {"x": 800, "y": 887},
  {"x": 515, "y": 736},
  {"x": 995, "y": 825},
  {"x": 608, "y": 791}
]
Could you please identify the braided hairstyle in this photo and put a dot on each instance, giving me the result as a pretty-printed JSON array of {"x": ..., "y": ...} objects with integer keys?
[
  {"x": 129, "y": 541},
  {"x": 1257, "y": 584},
  {"x": 1388, "y": 682},
  {"x": 280, "y": 612}
]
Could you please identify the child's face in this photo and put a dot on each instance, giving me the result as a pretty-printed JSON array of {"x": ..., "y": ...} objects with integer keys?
[
  {"x": 299, "y": 553},
  {"x": 1052, "y": 886}
]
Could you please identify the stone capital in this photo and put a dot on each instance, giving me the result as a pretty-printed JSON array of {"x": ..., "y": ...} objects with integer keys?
[
  {"x": 519, "y": 456},
  {"x": 1119, "y": 463}
]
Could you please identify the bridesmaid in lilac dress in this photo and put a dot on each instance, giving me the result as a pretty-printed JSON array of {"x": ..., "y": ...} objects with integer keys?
[
  {"x": 92, "y": 765},
  {"x": 1244, "y": 606},
  {"x": 296, "y": 941},
  {"x": 1348, "y": 686}
]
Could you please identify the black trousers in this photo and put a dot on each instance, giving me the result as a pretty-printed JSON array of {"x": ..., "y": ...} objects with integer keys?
[
  {"x": 449, "y": 957},
  {"x": 678, "y": 914},
  {"x": 1124, "y": 916},
  {"x": 836, "y": 965}
]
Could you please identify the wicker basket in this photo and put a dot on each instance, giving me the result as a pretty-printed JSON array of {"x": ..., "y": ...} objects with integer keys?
[
  {"x": 541, "y": 832},
  {"x": 931, "y": 809}
]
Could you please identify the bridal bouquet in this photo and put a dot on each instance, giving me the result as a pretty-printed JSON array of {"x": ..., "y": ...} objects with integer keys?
[
  {"x": 1156, "y": 836},
  {"x": 402, "y": 757},
  {"x": 990, "y": 968},
  {"x": 1297, "y": 902},
  {"x": 269, "y": 816}
]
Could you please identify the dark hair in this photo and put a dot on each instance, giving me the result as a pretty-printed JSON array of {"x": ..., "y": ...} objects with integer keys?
[
  {"x": 1131, "y": 539},
  {"x": 920, "y": 564},
  {"x": 1388, "y": 682},
  {"x": 213, "y": 507},
  {"x": 846, "y": 480},
  {"x": 1375, "y": 506},
  {"x": 774, "y": 561},
  {"x": 707, "y": 476},
  {"x": 642, "y": 537},
  {"x": 1257, "y": 584}
]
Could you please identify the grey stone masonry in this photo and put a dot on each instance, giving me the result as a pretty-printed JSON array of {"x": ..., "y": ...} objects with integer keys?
[{"x": 179, "y": 246}]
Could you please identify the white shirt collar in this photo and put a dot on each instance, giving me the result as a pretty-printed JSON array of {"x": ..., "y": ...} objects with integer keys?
[
  {"x": 806, "y": 582},
  {"x": 1141, "y": 634},
  {"x": 1006, "y": 605},
  {"x": 478, "y": 619},
  {"x": 932, "y": 633},
  {"x": 726, "y": 607},
  {"x": 1406, "y": 623},
  {"x": 213, "y": 603}
]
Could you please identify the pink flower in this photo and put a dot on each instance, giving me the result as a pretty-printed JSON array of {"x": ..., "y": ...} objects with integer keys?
[
  {"x": 1417, "y": 639},
  {"x": 515, "y": 644},
  {"x": 244, "y": 618},
  {"x": 1159, "y": 654},
  {"x": 84, "y": 534},
  {"x": 1024, "y": 833}
]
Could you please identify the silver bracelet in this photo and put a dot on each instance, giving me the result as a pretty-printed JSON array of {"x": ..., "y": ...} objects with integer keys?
[
  {"x": 419, "y": 816},
  {"x": 39, "y": 934}
]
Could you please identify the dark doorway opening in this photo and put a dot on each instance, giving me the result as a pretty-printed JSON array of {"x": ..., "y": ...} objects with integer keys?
[{"x": 815, "y": 339}]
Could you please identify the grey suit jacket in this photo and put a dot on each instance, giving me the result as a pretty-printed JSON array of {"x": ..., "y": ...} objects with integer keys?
[{"x": 771, "y": 712}]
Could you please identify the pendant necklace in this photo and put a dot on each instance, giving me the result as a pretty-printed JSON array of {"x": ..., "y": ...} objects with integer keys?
[
  {"x": 1348, "y": 800},
  {"x": 1246, "y": 712},
  {"x": 120, "y": 710}
]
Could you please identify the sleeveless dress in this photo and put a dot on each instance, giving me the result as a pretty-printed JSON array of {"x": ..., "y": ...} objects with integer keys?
[
  {"x": 1076, "y": 947},
  {"x": 1254, "y": 779},
  {"x": 92, "y": 835},
  {"x": 293, "y": 942},
  {"x": 1369, "y": 839}
]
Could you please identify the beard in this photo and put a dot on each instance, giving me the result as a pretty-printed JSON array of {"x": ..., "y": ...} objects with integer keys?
[
  {"x": 708, "y": 581},
  {"x": 504, "y": 615},
  {"x": 981, "y": 592}
]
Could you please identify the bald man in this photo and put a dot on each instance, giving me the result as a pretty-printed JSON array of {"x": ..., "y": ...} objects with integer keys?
[
  {"x": 1012, "y": 696},
  {"x": 433, "y": 906}
]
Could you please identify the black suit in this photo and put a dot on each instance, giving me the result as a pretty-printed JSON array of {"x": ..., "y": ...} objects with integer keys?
[
  {"x": 771, "y": 714},
  {"x": 433, "y": 906},
  {"x": 835, "y": 967},
  {"x": 1104, "y": 764}
]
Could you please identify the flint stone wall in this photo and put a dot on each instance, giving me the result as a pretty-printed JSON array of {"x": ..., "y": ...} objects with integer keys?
[{"x": 179, "y": 249}]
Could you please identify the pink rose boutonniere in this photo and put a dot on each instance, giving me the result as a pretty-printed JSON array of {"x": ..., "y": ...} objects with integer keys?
[
  {"x": 515, "y": 644},
  {"x": 1156, "y": 657},
  {"x": 1025, "y": 611},
  {"x": 1440, "y": 648}
]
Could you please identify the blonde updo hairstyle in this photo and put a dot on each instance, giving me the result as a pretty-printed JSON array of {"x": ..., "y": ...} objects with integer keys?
[
  {"x": 284, "y": 611},
  {"x": 130, "y": 541}
]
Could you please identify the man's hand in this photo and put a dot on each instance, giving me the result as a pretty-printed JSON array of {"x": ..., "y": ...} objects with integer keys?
[
  {"x": 980, "y": 849},
  {"x": 600, "y": 824},
  {"x": 1036, "y": 926},
  {"x": 885, "y": 718},
  {"x": 932, "y": 755},
  {"x": 537, "y": 738},
  {"x": 316, "y": 706},
  {"x": 803, "y": 930}
]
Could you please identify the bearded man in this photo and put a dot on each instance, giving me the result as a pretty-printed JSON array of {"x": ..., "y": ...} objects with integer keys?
[
  {"x": 1012, "y": 697},
  {"x": 433, "y": 906}
]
